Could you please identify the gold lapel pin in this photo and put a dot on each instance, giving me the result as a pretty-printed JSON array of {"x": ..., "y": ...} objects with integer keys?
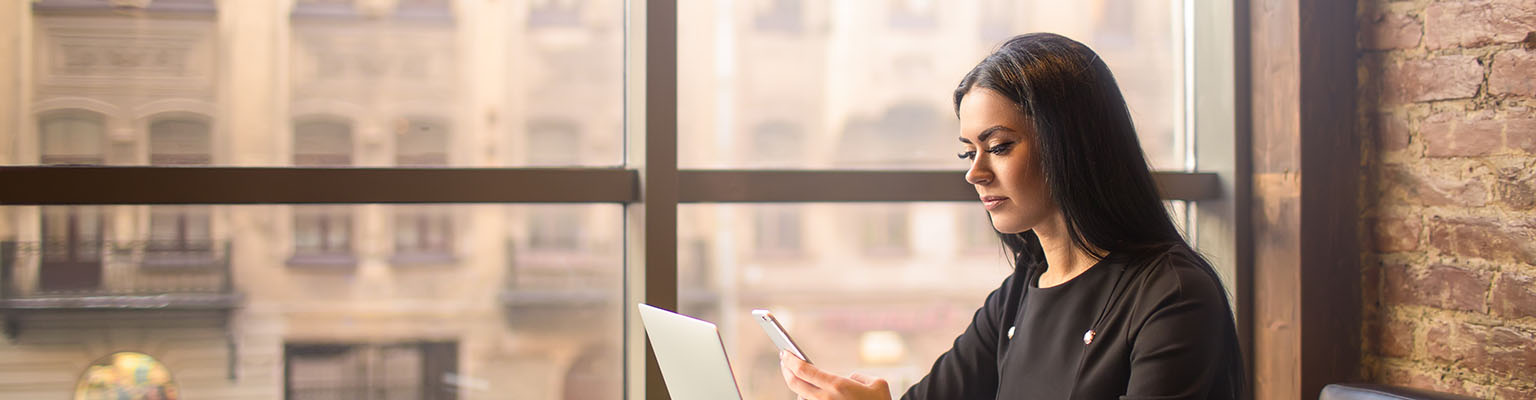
[{"x": 1088, "y": 337}]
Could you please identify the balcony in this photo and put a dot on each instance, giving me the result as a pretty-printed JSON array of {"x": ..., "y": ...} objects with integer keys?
[{"x": 38, "y": 277}]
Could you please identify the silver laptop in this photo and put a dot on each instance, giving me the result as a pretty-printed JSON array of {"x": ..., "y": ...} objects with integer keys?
[{"x": 691, "y": 355}]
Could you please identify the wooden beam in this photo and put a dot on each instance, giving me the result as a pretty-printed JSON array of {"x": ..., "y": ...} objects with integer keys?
[{"x": 1306, "y": 273}]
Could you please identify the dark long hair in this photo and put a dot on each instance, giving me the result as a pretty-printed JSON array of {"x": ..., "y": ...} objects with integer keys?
[
  {"x": 1088, "y": 151},
  {"x": 1087, "y": 145}
]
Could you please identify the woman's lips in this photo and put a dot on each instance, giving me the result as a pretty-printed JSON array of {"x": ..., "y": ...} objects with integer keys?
[{"x": 992, "y": 202}]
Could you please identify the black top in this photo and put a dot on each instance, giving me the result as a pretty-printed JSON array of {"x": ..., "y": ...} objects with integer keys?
[{"x": 1160, "y": 327}]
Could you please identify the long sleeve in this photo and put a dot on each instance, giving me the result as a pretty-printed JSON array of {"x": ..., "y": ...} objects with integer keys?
[
  {"x": 969, "y": 369},
  {"x": 1172, "y": 353}
]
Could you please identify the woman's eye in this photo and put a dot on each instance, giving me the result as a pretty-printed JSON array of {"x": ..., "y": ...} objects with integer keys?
[
  {"x": 1000, "y": 148},
  {"x": 967, "y": 155}
]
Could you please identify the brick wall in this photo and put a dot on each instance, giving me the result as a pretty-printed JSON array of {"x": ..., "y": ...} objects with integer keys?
[{"x": 1447, "y": 94}]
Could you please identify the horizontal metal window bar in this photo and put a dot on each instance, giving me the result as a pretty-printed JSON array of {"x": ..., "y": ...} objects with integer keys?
[
  {"x": 755, "y": 186},
  {"x": 65, "y": 185},
  {"x": 278, "y": 185}
]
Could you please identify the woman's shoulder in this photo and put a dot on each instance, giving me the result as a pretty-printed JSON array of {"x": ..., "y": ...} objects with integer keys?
[{"x": 1173, "y": 271}]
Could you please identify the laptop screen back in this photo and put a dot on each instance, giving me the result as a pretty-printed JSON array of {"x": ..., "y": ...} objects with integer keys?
[{"x": 691, "y": 356}]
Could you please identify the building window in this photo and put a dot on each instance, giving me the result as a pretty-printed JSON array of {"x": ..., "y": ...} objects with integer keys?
[
  {"x": 179, "y": 141},
  {"x": 322, "y": 235},
  {"x": 371, "y": 371},
  {"x": 882, "y": 230},
  {"x": 423, "y": 235},
  {"x": 72, "y": 248},
  {"x": 178, "y": 230},
  {"x": 781, "y": 16},
  {"x": 776, "y": 230},
  {"x": 322, "y": 142},
  {"x": 71, "y": 137},
  {"x": 557, "y": 229},
  {"x": 179, "y": 235},
  {"x": 421, "y": 142}
]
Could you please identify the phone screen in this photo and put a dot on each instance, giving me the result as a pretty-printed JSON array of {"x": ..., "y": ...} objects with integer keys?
[{"x": 776, "y": 332}]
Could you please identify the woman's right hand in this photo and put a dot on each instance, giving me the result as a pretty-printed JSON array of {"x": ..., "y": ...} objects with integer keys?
[{"x": 813, "y": 383}]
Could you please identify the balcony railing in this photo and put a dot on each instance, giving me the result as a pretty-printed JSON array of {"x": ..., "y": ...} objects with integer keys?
[{"x": 116, "y": 275}]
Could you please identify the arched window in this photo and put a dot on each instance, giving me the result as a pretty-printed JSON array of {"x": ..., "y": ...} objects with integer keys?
[
  {"x": 71, "y": 236},
  {"x": 322, "y": 142},
  {"x": 179, "y": 235},
  {"x": 71, "y": 137},
  {"x": 179, "y": 141},
  {"x": 421, "y": 142}
]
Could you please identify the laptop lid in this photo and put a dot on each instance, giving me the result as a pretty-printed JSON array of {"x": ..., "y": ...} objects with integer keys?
[{"x": 691, "y": 355}]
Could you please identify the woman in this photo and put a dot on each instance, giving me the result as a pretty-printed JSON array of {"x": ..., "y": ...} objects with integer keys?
[{"x": 1106, "y": 300}]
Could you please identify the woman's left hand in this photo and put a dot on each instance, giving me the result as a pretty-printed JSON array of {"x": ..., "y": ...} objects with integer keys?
[{"x": 813, "y": 383}]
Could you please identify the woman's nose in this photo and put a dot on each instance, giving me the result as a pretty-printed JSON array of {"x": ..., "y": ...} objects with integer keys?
[{"x": 978, "y": 174}]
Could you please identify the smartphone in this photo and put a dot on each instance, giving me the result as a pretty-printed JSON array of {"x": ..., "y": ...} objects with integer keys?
[{"x": 776, "y": 332}]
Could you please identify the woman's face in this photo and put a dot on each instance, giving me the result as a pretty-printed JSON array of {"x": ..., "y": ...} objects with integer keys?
[{"x": 1005, "y": 169}]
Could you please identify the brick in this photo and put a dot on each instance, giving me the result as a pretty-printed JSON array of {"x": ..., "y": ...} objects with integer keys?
[
  {"x": 1514, "y": 72},
  {"x": 1516, "y": 188},
  {"x": 1394, "y": 338},
  {"x": 1477, "y": 23},
  {"x": 1420, "y": 379},
  {"x": 1393, "y": 234},
  {"x": 1389, "y": 131},
  {"x": 1486, "y": 238},
  {"x": 1464, "y": 138},
  {"x": 1508, "y": 351},
  {"x": 1390, "y": 30},
  {"x": 1514, "y": 296},
  {"x": 1437, "y": 78},
  {"x": 1431, "y": 187},
  {"x": 1442, "y": 286},
  {"x": 1520, "y": 135}
]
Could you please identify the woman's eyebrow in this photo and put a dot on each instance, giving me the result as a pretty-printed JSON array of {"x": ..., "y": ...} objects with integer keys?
[{"x": 986, "y": 133}]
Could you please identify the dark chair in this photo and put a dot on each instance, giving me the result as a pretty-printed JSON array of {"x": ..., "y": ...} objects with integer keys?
[{"x": 1366, "y": 391}]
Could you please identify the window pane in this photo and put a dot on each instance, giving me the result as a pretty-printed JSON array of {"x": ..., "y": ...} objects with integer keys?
[
  {"x": 878, "y": 288},
  {"x": 836, "y": 85},
  {"x": 471, "y": 305},
  {"x": 407, "y": 83}
]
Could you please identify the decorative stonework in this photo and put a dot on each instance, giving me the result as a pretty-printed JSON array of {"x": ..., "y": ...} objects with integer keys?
[{"x": 77, "y": 54}]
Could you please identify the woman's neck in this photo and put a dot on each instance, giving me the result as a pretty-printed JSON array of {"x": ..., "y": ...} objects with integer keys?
[{"x": 1063, "y": 259}]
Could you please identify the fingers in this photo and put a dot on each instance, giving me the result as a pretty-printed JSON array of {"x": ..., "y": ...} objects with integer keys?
[
  {"x": 803, "y": 389},
  {"x": 808, "y": 372}
]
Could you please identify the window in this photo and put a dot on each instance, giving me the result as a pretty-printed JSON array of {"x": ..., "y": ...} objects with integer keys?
[
  {"x": 322, "y": 142},
  {"x": 371, "y": 371},
  {"x": 179, "y": 141},
  {"x": 322, "y": 235},
  {"x": 812, "y": 147},
  {"x": 421, "y": 142},
  {"x": 881, "y": 230},
  {"x": 423, "y": 235},
  {"x": 777, "y": 231},
  {"x": 72, "y": 137},
  {"x": 72, "y": 248},
  {"x": 179, "y": 235}
]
